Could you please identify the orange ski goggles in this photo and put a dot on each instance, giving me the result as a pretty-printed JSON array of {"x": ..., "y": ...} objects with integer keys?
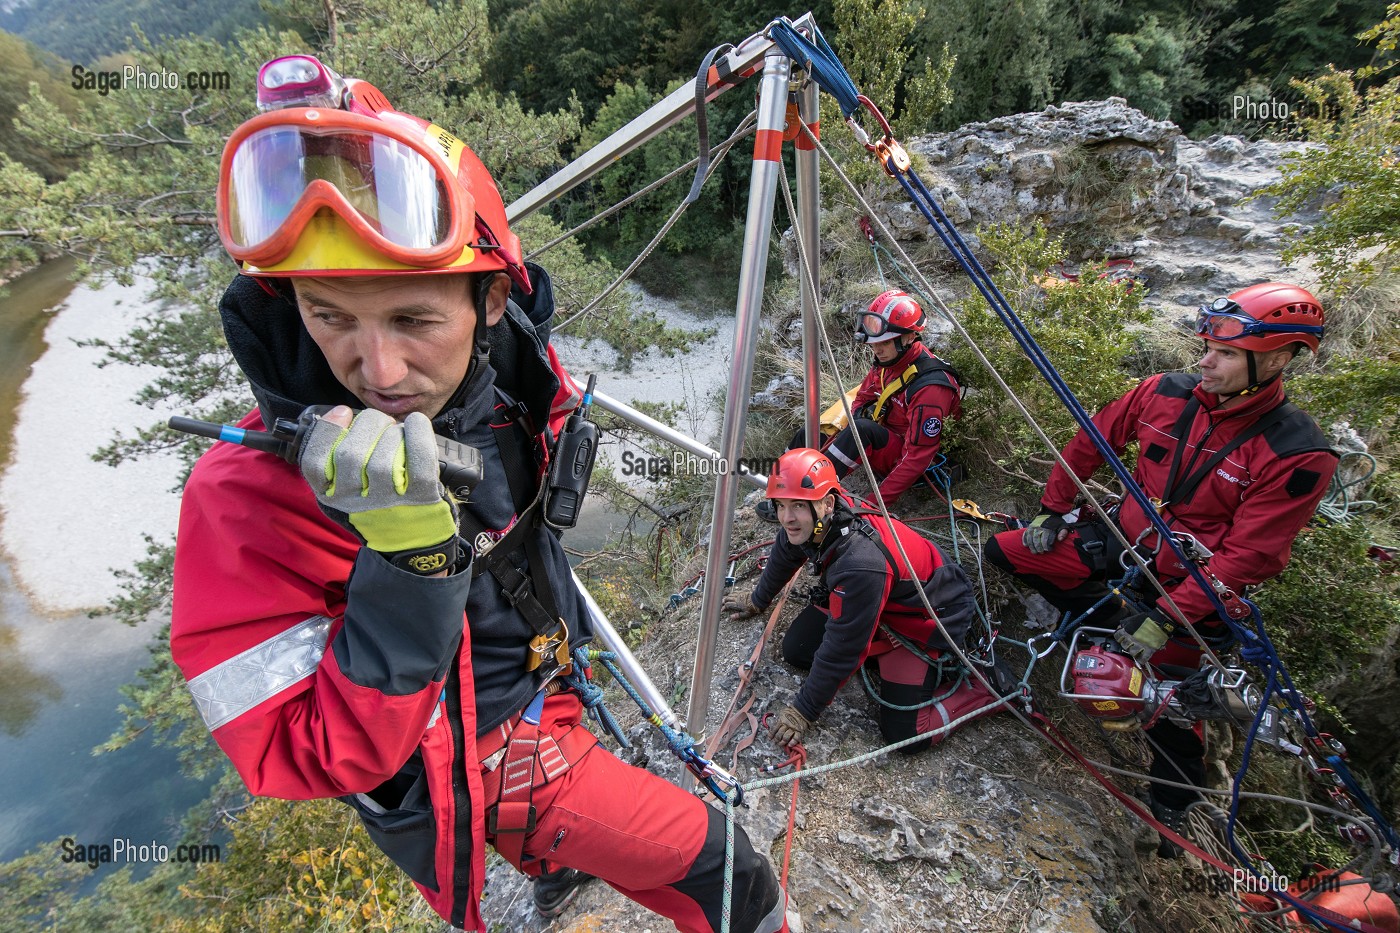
[{"x": 393, "y": 180}]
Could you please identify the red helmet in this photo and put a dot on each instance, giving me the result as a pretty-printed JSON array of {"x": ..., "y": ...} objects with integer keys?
[
  {"x": 802, "y": 473},
  {"x": 1266, "y": 316},
  {"x": 330, "y": 180},
  {"x": 891, "y": 313}
]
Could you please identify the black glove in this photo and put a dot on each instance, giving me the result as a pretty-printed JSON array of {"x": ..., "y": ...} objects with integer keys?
[
  {"x": 1144, "y": 634},
  {"x": 1044, "y": 531},
  {"x": 865, "y": 411}
]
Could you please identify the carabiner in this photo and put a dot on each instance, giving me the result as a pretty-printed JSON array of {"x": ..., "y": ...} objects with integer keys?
[{"x": 720, "y": 782}]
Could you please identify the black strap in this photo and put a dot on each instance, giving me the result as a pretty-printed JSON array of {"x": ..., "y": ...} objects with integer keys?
[
  {"x": 902, "y": 592},
  {"x": 1173, "y": 493},
  {"x": 1182, "y": 432},
  {"x": 534, "y": 600},
  {"x": 933, "y": 370},
  {"x": 702, "y": 123}
]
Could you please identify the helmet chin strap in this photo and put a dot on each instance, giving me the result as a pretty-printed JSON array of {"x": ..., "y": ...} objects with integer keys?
[
  {"x": 901, "y": 347},
  {"x": 818, "y": 525},
  {"x": 481, "y": 345},
  {"x": 834, "y": 519},
  {"x": 1254, "y": 383}
]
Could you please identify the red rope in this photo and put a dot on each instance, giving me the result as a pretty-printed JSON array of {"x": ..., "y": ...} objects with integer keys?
[
  {"x": 1047, "y": 728},
  {"x": 799, "y": 758}
]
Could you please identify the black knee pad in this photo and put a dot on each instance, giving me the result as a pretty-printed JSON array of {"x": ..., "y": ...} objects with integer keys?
[
  {"x": 896, "y": 725},
  {"x": 755, "y": 887},
  {"x": 994, "y": 555}
]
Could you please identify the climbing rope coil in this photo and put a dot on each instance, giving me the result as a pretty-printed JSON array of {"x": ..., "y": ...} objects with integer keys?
[{"x": 1277, "y": 713}]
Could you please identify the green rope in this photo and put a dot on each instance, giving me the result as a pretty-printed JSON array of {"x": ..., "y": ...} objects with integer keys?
[
  {"x": 875, "y": 694},
  {"x": 1337, "y": 505}
]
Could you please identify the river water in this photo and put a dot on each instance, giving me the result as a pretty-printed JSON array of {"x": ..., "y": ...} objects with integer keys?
[{"x": 67, "y": 523}]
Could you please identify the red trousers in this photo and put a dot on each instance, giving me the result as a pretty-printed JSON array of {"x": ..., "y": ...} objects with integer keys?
[{"x": 657, "y": 844}]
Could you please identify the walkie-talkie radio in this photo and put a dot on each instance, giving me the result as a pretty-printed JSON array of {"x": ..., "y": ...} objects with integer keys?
[
  {"x": 572, "y": 466},
  {"x": 459, "y": 465}
]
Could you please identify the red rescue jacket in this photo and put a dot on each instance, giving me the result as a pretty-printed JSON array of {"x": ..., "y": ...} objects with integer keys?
[
  {"x": 268, "y": 593},
  {"x": 1247, "y": 510},
  {"x": 914, "y": 415}
]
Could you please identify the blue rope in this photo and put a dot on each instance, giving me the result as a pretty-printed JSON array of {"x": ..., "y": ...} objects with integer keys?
[
  {"x": 817, "y": 59},
  {"x": 592, "y": 696},
  {"x": 682, "y": 745}
]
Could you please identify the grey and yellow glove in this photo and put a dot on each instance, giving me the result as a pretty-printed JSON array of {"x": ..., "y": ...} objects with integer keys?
[
  {"x": 383, "y": 477},
  {"x": 1044, "y": 531},
  {"x": 1144, "y": 634},
  {"x": 790, "y": 727},
  {"x": 739, "y": 604}
]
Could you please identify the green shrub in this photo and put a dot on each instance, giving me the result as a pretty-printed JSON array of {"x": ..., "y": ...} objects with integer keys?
[{"x": 1086, "y": 330}]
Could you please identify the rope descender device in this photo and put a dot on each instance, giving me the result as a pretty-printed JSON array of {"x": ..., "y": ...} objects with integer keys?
[{"x": 888, "y": 149}]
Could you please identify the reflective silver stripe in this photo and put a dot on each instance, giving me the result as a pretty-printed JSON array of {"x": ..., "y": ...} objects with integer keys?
[
  {"x": 842, "y": 457},
  {"x": 227, "y": 691}
]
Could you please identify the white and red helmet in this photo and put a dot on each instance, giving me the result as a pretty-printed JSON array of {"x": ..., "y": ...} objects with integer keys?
[{"x": 891, "y": 314}]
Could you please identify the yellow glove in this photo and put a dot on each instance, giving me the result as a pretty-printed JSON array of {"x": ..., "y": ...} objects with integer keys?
[
  {"x": 1043, "y": 532},
  {"x": 383, "y": 477},
  {"x": 1144, "y": 634}
]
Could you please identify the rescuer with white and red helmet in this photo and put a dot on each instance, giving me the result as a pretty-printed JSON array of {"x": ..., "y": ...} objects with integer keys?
[
  {"x": 904, "y": 403},
  {"x": 1227, "y": 459}
]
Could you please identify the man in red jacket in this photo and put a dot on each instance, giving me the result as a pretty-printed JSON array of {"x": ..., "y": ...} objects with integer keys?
[
  {"x": 348, "y": 627},
  {"x": 1229, "y": 460},
  {"x": 870, "y": 607},
  {"x": 903, "y": 403}
]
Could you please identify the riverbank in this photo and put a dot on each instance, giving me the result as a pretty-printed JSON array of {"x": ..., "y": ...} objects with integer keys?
[{"x": 68, "y": 523}]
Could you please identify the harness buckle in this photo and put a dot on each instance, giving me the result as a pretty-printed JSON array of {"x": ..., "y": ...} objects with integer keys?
[
  {"x": 554, "y": 648},
  {"x": 521, "y": 591},
  {"x": 527, "y": 810}
]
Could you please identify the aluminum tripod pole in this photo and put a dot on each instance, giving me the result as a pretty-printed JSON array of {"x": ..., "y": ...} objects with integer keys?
[
  {"x": 767, "y": 169},
  {"x": 808, "y": 223}
]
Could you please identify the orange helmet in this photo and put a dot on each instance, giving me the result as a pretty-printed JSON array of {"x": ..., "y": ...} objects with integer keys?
[
  {"x": 1266, "y": 316},
  {"x": 331, "y": 180},
  {"x": 891, "y": 314},
  {"x": 802, "y": 473}
]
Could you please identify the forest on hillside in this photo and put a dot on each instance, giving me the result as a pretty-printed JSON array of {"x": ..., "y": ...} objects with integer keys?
[{"x": 564, "y": 73}]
